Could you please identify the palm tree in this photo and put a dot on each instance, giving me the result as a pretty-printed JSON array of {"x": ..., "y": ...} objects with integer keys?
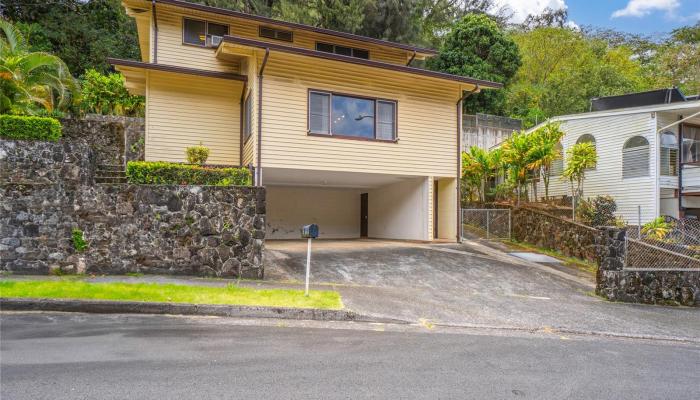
[
  {"x": 30, "y": 81},
  {"x": 476, "y": 169}
]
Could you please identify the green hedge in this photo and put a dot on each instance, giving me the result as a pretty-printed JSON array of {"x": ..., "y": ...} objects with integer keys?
[
  {"x": 29, "y": 128},
  {"x": 167, "y": 173}
]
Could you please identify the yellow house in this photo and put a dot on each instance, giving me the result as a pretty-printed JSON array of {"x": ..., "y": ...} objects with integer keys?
[{"x": 339, "y": 128}]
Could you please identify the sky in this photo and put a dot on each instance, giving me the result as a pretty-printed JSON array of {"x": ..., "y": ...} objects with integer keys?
[{"x": 634, "y": 16}]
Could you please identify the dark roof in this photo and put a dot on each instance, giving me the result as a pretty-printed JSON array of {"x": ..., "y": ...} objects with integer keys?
[
  {"x": 640, "y": 99},
  {"x": 359, "y": 61},
  {"x": 272, "y": 21},
  {"x": 179, "y": 70}
]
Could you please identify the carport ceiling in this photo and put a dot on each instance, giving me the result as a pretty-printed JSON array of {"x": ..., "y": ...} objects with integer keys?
[{"x": 331, "y": 179}]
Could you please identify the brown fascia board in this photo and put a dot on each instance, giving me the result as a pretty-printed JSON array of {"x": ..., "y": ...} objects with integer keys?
[
  {"x": 360, "y": 61},
  {"x": 293, "y": 25},
  {"x": 175, "y": 69}
]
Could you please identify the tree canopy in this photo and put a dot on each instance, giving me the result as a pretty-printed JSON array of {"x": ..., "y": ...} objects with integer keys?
[{"x": 477, "y": 47}]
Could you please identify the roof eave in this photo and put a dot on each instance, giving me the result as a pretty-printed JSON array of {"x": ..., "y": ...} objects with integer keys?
[{"x": 482, "y": 84}]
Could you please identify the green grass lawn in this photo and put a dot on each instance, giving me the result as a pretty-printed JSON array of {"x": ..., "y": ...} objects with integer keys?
[{"x": 170, "y": 293}]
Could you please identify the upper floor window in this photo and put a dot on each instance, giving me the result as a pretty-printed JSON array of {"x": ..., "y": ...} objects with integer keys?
[
  {"x": 247, "y": 117},
  {"x": 202, "y": 33},
  {"x": 668, "y": 154},
  {"x": 343, "y": 115},
  {"x": 342, "y": 50},
  {"x": 691, "y": 143},
  {"x": 635, "y": 157},
  {"x": 277, "y": 34}
]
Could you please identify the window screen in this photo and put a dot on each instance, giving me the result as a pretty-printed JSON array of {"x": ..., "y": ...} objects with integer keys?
[
  {"x": 319, "y": 112},
  {"x": 386, "y": 120},
  {"x": 342, "y": 50},
  {"x": 668, "y": 156},
  {"x": 635, "y": 158},
  {"x": 248, "y": 117},
  {"x": 277, "y": 34},
  {"x": 194, "y": 32}
]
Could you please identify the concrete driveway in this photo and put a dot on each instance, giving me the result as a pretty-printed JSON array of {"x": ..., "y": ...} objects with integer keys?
[{"x": 468, "y": 285}]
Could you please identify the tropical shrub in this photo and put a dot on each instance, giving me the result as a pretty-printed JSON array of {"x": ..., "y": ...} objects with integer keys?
[
  {"x": 600, "y": 211},
  {"x": 657, "y": 228},
  {"x": 197, "y": 154},
  {"x": 78, "y": 239},
  {"x": 167, "y": 173},
  {"x": 579, "y": 158},
  {"x": 29, "y": 128},
  {"x": 106, "y": 94},
  {"x": 31, "y": 81}
]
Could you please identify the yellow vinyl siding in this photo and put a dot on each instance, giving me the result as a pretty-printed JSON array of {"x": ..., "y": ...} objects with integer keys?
[
  {"x": 426, "y": 119},
  {"x": 184, "y": 110},
  {"x": 172, "y": 51},
  {"x": 250, "y": 146}
]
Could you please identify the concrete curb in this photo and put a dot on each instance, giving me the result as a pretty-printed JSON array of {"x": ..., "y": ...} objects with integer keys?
[{"x": 137, "y": 307}]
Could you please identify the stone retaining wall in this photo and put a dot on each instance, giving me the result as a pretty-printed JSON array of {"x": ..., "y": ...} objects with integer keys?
[
  {"x": 47, "y": 190},
  {"x": 114, "y": 140},
  {"x": 544, "y": 230},
  {"x": 652, "y": 287}
]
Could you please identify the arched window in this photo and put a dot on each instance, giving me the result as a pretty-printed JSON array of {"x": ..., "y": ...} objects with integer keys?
[
  {"x": 586, "y": 138},
  {"x": 558, "y": 164},
  {"x": 635, "y": 157},
  {"x": 669, "y": 154}
]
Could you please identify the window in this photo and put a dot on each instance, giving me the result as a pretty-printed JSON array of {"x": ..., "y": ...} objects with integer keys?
[
  {"x": 343, "y": 115},
  {"x": 586, "y": 138},
  {"x": 277, "y": 34},
  {"x": 248, "y": 117},
  {"x": 342, "y": 50},
  {"x": 668, "y": 154},
  {"x": 635, "y": 157},
  {"x": 557, "y": 167},
  {"x": 691, "y": 144},
  {"x": 200, "y": 33}
]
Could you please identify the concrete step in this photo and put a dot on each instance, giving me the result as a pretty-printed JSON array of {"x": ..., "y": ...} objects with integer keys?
[
  {"x": 102, "y": 179},
  {"x": 111, "y": 167}
]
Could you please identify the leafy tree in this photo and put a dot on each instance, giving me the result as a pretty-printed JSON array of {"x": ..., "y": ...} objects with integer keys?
[
  {"x": 30, "y": 81},
  {"x": 477, "y": 47},
  {"x": 82, "y": 33},
  {"x": 516, "y": 157},
  {"x": 548, "y": 18},
  {"x": 579, "y": 158},
  {"x": 543, "y": 153},
  {"x": 562, "y": 70},
  {"x": 106, "y": 94}
]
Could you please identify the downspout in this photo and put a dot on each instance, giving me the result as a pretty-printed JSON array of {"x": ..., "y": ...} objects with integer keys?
[
  {"x": 411, "y": 59},
  {"x": 681, "y": 210},
  {"x": 459, "y": 160},
  {"x": 155, "y": 32},
  {"x": 258, "y": 169},
  {"x": 242, "y": 125}
]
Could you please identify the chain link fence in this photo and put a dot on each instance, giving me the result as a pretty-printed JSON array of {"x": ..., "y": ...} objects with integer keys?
[
  {"x": 664, "y": 243},
  {"x": 487, "y": 223}
]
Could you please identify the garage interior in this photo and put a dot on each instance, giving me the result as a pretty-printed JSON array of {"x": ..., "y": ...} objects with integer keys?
[{"x": 350, "y": 205}]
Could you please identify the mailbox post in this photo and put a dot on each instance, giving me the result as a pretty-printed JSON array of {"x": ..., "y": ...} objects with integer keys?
[{"x": 308, "y": 232}]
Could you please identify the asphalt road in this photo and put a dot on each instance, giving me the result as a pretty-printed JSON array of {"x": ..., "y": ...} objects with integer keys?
[{"x": 75, "y": 356}]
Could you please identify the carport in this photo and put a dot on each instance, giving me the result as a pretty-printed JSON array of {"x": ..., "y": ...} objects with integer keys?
[{"x": 350, "y": 205}]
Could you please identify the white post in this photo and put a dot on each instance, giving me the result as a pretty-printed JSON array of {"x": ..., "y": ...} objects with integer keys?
[
  {"x": 488, "y": 228},
  {"x": 639, "y": 222},
  {"x": 308, "y": 268}
]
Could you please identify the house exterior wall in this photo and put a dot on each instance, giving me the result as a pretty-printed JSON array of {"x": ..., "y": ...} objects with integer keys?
[
  {"x": 610, "y": 133},
  {"x": 400, "y": 210},
  {"x": 426, "y": 123},
  {"x": 336, "y": 211},
  {"x": 447, "y": 208},
  {"x": 184, "y": 110}
]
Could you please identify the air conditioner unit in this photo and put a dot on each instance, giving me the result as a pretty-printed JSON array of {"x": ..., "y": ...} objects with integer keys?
[{"x": 214, "y": 40}]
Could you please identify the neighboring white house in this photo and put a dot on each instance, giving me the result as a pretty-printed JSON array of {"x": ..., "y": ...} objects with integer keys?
[{"x": 638, "y": 154}]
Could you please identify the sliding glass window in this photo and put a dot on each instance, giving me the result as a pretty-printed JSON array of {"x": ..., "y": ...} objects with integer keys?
[{"x": 350, "y": 116}]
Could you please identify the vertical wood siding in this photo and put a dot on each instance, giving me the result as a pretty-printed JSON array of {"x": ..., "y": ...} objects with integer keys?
[{"x": 184, "y": 110}]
